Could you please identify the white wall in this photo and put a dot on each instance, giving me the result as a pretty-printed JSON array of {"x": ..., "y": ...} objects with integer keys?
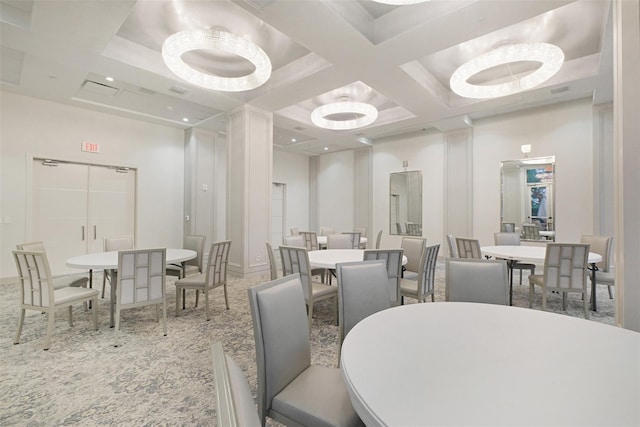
[
  {"x": 31, "y": 127},
  {"x": 336, "y": 196},
  {"x": 293, "y": 170}
]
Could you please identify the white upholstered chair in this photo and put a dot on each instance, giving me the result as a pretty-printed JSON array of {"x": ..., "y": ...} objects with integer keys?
[
  {"x": 531, "y": 231},
  {"x": 192, "y": 266},
  {"x": 215, "y": 276},
  {"x": 565, "y": 270},
  {"x": 116, "y": 243},
  {"x": 295, "y": 260},
  {"x": 355, "y": 238},
  {"x": 291, "y": 390},
  {"x": 325, "y": 231},
  {"x": 513, "y": 239},
  {"x": 339, "y": 241},
  {"x": 273, "y": 267},
  {"x": 74, "y": 280},
  {"x": 413, "y": 248},
  {"x": 602, "y": 245},
  {"x": 453, "y": 246},
  {"x": 468, "y": 248},
  {"x": 310, "y": 239},
  {"x": 424, "y": 286},
  {"x": 393, "y": 260},
  {"x": 363, "y": 233},
  {"x": 508, "y": 227},
  {"x": 296, "y": 240},
  {"x": 295, "y": 232},
  {"x": 378, "y": 239},
  {"x": 234, "y": 403},
  {"x": 476, "y": 280},
  {"x": 37, "y": 292}
]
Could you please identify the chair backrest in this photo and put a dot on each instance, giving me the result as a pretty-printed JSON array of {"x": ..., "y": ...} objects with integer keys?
[
  {"x": 297, "y": 241},
  {"x": 273, "y": 267},
  {"x": 565, "y": 266},
  {"x": 295, "y": 260},
  {"x": 476, "y": 280},
  {"x": 508, "y": 227},
  {"x": 361, "y": 230},
  {"x": 325, "y": 231},
  {"x": 393, "y": 260},
  {"x": 362, "y": 291},
  {"x": 196, "y": 243},
  {"x": 118, "y": 243},
  {"x": 339, "y": 241},
  {"x": 141, "y": 277},
  {"x": 234, "y": 402},
  {"x": 506, "y": 239},
  {"x": 378, "y": 239},
  {"x": 427, "y": 272},
  {"x": 217, "y": 263},
  {"x": 531, "y": 231},
  {"x": 468, "y": 248},
  {"x": 34, "y": 278},
  {"x": 294, "y": 231},
  {"x": 281, "y": 332},
  {"x": 453, "y": 246},
  {"x": 601, "y": 245},
  {"x": 310, "y": 239},
  {"x": 414, "y": 229},
  {"x": 31, "y": 246},
  {"x": 413, "y": 248},
  {"x": 355, "y": 238}
]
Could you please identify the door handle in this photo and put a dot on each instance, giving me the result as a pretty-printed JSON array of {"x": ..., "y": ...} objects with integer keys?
[
  {"x": 83, "y": 233},
  {"x": 94, "y": 232}
]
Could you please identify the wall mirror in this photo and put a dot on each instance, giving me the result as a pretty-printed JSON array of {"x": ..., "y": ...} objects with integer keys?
[
  {"x": 527, "y": 198},
  {"x": 405, "y": 203}
]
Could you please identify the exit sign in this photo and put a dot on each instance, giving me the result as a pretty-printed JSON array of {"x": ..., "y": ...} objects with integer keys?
[{"x": 91, "y": 147}]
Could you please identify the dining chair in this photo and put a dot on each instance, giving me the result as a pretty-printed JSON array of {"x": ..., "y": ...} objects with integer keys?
[
  {"x": 141, "y": 282},
  {"x": 453, "y": 246},
  {"x": 476, "y": 280},
  {"x": 393, "y": 260},
  {"x": 424, "y": 286},
  {"x": 531, "y": 232},
  {"x": 273, "y": 267},
  {"x": 378, "y": 239},
  {"x": 192, "y": 266},
  {"x": 513, "y": 239},
  {"x": 355, "y": 238},
  {"x": 508, "y": 227},
  {"x": 602, "y": 245},
  {"x": 37, "y": 292},
  {"x": 214, "y": 277},
  {"x": 413, "y": 248},
  {"x": 565, "y": 270},
  {"x": 296, "y": 240},
  {"x": 363, "y": 233},
  {"x": 296, "y": 260},
  {"x": 294, "y": 232},
  {"x": 362, "y": 291},
  {"x": 310, "y": 239},
  {"x": 73, "y": 280},
  {"x": 234, "y": 401},
  {"x": 339, "y": 241},
  {"x": 325, "y": 231},
  {"x": 116, "y": 243},
  {"x": 468, "y": 248},
  {"x": 291, "y": 390}
]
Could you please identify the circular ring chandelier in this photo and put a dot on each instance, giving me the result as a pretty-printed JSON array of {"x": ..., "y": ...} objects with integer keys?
[
  {"x": 549, "y": 55},
  {"x": 367, "y": 114},
  {"x": 400, "y": 2},
  {"x": 185, "y": 41}
]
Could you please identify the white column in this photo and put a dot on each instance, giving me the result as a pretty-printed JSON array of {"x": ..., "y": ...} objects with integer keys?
[
  {"x": 458, "y": 193},
  {"x": 249, "y": 178}
]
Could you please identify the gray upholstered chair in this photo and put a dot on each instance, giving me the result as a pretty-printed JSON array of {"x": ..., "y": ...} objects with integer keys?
[
  {"x": 310, "y": 239},
  {"x": 424, "y": 286},
  {"x": 513, "y": 239},
  {"x": 602, "y": 245},
  {"x": 476, "y": 280},
  {"x": 531, "y": 232},
  {"x": 325, "y": 231},
  {"x": 339, "y": 241},
  {"x": 116, "y": 243},
  {"x": 192, "y": 266},
  {"x": 355, "y": 238},
  {"x": 468, "y": 248},
  {"x": 565, "y": 270},
  {"x": 291, "y": 390},
  {"x": 363, "y": 233},
  {"x": 508, "y": 227},
  {"x": 37, "y": 292},
  {"x": 453, "y": 246},
  {"x": 296, "y": 240},
  {"x": 295, "y": 232},
  {"x": 378, "y": 239},
  {"x": 362, "y": 291},
  {"x": 413, "y": 248},
  {"x": 296, "y": 260},
  {"x": 214, "y": 277},
  {"x": 141, "y": 282},
  {"x": 273, "y": 267},
  {"x": 393, "y": 259},
  {"x": 74, "y": 280},
  {"x": 234, "y": 403}
]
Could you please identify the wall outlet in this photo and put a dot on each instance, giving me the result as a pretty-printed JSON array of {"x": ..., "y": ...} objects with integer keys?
[{"x": 258, "y": 257}]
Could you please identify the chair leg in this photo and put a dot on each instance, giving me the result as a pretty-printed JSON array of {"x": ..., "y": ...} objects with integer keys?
[
  {"x": 70, "y": 316},
  {"x": 50, "y": 324},
  {"x": 20, "y": 323},
  {"x": 521, "y": 276},
  {"x": 531, "y": 295},
  {"x": 104, "y": 282},
  {"x": 610, "y": 294},
  {"x": 206, "y": 303},
  {"x": 197, "y": 295},
  {"x": 226, "y": 299},
  {"x": 564, "y": 301},
  {"x": 586, "y": 307},
  {"x": 184, "y": 297},
  {"x": 310, "y": 314},
  {"x": 95, "y": 313},
  {"x": 117, "y": 331},
  {"x": 164, "y": 316},
  {"x": 544, "y": 299},
  {"x": 335, "y": 312},
  {"x": 177, "y": 300}
]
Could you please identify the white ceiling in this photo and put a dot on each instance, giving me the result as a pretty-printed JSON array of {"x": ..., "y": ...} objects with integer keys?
[{"x": 398, "y": 58}]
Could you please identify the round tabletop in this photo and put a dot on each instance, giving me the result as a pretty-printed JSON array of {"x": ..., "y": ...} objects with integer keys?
[
  {"x": 526, "y": 253},
  {"x": 483, "y": 364},
  {"x": 109, "y": 260},
  {"x": 330, "y": 257},
  {"x": 322, "y": 240}
]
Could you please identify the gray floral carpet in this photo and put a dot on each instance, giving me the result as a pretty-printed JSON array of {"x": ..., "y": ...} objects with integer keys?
[{"x": 151, "y": 379}]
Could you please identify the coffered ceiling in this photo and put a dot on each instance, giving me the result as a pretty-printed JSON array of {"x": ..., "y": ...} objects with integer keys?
[{"x": 397, "y": 58}]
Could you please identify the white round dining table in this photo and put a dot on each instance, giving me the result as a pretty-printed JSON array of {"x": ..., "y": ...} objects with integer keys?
[
  {"x": 322, "y": 240},
  {"x": 447, "y": 363},
  {"x": 328, "y": 258}
]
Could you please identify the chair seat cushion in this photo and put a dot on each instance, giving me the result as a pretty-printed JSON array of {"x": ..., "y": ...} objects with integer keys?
[
  {"x": 605, "y": 278},
  {"x": 317, "y": 397},
  {"x": 320, "y": 289},
  {"x": 195, "y": 281},
  {"x": 409, "y": 287},
  {"x": 66, "y": 295},
  {"x": 176, "y": 270},
  {"x": 524, "y": 266},
  {"x": 536, "y": 279},
  {"x": 73, "y": 281}
]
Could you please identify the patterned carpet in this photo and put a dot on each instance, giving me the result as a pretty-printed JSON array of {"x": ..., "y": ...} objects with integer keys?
[{"x": 151, "y": 379}]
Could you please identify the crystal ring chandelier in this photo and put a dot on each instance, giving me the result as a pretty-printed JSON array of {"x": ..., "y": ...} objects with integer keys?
[
  {"x": 185, "y": 41},
  {"x": 365, "y": 115},
  {"x": 549, "y": 55}
]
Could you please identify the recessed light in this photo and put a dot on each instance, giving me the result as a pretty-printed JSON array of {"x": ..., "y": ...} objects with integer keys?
[
  {"x": 326, "y": 148},
  {"x": 185, "y": 119},
  {"x": 293, "y": 140},
  {"x": 109, "y": 79}
]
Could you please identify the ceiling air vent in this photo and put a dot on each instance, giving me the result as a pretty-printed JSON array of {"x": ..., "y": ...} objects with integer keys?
[
  {"x": 299, "y": 128},
  {"x": 99, "y": 88},
  {"x": 146, "y": 91},
  {"x": 179, "y": 90},
  {"x": 559, "y": 90}
]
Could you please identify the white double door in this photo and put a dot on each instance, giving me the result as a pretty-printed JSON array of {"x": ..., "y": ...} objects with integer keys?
[{"x": 74, "y": 206}]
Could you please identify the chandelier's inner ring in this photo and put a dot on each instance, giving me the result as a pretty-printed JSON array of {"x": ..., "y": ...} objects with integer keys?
[
  {"x": 550, "y": 56},
  {"x": 186, "y": 41},
  {"x": 365, "y": 115}
]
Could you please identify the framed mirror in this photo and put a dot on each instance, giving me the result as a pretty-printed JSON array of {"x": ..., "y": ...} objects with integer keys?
[
  {"x": 405, "y": 203},
  {"x": 527, "y": 198}
]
